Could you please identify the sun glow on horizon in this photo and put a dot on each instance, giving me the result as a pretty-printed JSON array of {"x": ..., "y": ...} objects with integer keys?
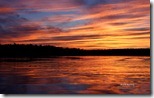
[{"x": 86, "y": 24}]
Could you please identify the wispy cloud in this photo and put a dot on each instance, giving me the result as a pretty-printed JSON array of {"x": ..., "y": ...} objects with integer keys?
[{"x": 77, "y": 23}]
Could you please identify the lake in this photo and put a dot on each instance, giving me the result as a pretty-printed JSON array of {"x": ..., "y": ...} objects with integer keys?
[{"x": 76, "y": 75}]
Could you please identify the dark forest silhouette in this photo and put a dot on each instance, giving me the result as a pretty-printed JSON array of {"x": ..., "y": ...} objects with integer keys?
[{"x": 29, "y": 50}]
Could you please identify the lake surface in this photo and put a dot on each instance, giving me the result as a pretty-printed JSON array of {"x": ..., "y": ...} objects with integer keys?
[{"x": 76, "y": 75}]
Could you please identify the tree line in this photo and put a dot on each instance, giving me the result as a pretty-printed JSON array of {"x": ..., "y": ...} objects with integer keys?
[{"x": 30, "y": 50}]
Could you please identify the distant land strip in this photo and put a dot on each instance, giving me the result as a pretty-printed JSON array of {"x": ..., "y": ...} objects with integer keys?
[{"x": 30, "y": 50}]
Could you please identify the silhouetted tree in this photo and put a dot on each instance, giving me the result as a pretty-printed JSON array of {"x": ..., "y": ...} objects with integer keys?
[{"x": 29, "y": 50}]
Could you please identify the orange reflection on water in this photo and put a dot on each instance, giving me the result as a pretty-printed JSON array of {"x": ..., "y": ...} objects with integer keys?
[{"x": 81, "y": 75}]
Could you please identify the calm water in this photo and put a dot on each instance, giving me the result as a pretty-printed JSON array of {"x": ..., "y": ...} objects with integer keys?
[{"x": 77, "y": 75}]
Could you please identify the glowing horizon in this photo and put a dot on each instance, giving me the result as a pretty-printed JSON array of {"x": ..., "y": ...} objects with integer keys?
[{"x": 86, "y": 24}]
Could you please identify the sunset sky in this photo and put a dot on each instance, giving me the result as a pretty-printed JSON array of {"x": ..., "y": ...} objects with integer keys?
[{"x": 87, "y": 24}]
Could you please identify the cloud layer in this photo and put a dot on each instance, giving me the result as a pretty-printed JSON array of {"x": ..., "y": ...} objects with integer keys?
[{"x": 88, "y": 24}]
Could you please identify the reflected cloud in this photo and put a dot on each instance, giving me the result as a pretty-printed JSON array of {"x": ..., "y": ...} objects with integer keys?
[{"x": 77, "y": 75}]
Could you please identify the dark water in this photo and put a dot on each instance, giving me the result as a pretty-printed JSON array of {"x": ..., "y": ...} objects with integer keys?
[{"x": 76, "y": 75}]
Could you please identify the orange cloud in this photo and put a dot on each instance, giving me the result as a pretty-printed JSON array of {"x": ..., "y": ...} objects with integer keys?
[
  {"x": 6, "y": 10},
  {"x": 69, "y": 23}
]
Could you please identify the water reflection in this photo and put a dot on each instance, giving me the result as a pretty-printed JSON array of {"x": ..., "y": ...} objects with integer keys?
[{"x": 77, "y": 75}]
